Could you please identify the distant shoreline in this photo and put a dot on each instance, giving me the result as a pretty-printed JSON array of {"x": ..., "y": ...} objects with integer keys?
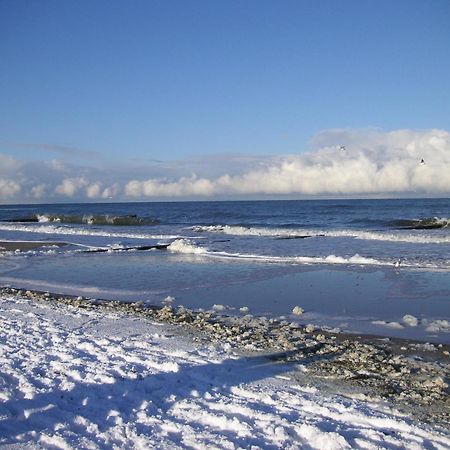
[{"x": 236, "y": 200}]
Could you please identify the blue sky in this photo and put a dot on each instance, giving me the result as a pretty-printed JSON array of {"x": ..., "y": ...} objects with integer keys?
[{"x": 129, "y": 83}]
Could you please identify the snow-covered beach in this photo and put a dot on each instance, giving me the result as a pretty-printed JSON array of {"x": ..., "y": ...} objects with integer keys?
[
  {"x": 76, "y": 377},
  {"x": 224, "y": 225},
  {"x": 291, "y": 336}
]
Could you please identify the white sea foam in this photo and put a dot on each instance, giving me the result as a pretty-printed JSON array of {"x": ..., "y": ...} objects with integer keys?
[
  {"x": 301, "y": 232},
  {"x": 394, "y": 325},
  {"x": 185, "y": 246},
  {"x": 65, "y": 230},
  {"x": 42, "y": 218},
  {"x": 188, "y": 247},
  {"x": 330, "y": 259}
]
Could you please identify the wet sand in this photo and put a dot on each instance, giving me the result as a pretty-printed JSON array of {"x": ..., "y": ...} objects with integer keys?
[{"x": 24, "y": 246}]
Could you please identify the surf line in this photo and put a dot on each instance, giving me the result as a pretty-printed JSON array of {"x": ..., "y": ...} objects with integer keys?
[{"x": 138, "y": 247}]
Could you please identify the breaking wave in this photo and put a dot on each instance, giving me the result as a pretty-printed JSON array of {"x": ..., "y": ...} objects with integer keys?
[
  {"x": 88, "y": 219},
  {"x": 61, "y": 230},
  {"x": 282, "y": 233},
  {"x": 429, "y": 223},
  {"x": 187, "y": 247}
]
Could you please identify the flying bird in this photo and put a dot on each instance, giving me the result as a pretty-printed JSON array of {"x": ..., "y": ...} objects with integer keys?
[{"x": 342, "y": 147}]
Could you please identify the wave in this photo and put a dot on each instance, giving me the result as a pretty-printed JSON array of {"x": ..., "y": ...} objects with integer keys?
[
  {"x": 236, "y": 230},
  {"x": 88, "y": 219},
  {"x": 187, "y": 247},
  {"x": 64, "y": 230},
  {"x": 429, "y": 223},
  {"x": 281, "y": 233}
]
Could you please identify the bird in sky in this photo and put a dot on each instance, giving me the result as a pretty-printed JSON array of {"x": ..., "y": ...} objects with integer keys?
[{"x": 342, "y": 147}]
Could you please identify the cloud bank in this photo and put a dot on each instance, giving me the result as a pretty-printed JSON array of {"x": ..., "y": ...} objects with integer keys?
[{"x": 373, "y": 162}]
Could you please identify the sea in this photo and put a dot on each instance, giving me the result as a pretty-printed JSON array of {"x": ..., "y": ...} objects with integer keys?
[{"x": 363, "y": 266}]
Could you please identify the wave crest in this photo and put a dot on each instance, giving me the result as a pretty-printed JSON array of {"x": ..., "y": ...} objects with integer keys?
[
  {"x": 89, "y": 219},
  {"x": 280, "y": 233},
  {"x": 428, "y": 223},
  {"x": 186, "y": 246},
  {"x": 64, "y": 230}
]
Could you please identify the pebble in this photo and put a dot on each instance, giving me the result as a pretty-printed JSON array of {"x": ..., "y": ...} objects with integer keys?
[{"x": 405, "y": 376}]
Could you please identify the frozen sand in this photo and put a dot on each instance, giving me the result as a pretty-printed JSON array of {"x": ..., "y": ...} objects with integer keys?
[{"x": 73, "y": 378}]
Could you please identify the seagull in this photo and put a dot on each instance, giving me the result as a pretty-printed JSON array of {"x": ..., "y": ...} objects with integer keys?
[
  {"x": 397, "y": 263},
  {"x": 342, "y": 147},
  {"x": 422, "y": 162}
]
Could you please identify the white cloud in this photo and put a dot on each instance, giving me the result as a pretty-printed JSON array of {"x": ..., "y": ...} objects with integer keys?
[
  {"x": 191, "y": 186},
  {"x": 111, "y": 191},
  {"x": 70, "y": 186},
  {"x": 8, "y": 164},
  {"x": 373, "y": 162},
  {"x": 93, "y": 190},
  {"x": 38, "y": 191},
  {"x": 57, "y": 165},
  {"x": 8, "y": 188}
]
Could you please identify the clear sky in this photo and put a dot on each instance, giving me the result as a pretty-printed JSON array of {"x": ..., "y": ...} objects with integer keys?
[{"x": 95, "y": 83}]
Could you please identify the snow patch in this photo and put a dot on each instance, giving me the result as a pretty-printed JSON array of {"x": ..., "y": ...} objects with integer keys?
[{"x": 410, "y": 320}]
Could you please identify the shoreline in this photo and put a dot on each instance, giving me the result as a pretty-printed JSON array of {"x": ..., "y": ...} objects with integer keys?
[
  {"x": 410, "y": 375},
  {"x": 22, "y": 246}
]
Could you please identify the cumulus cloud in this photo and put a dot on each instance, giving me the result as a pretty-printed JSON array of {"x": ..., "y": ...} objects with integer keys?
[
  {"x": 111, "y": 191},
  {"x": 8, "y": 164},
  {"x": 372, "y": 162},
  {"x": 93, "y": 190},
  {"x": 38, "y": 191},
  {"x": 8, "y": 188},
  {"x": 185, "y": 186},
  {"x": 69, "y": 186}
]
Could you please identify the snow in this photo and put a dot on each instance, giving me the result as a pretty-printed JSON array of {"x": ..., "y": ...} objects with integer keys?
[
  {"x": 410, "y": 320},
  {"x": 73, "y": 378}
]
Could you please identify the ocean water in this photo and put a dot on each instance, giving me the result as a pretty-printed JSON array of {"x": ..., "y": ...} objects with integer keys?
[{"x": 359, "y": 265}]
